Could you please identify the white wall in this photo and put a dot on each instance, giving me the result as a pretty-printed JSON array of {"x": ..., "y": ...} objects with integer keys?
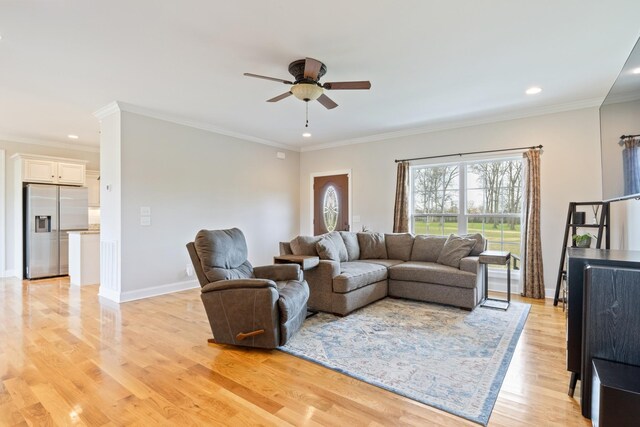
[
  {"x": 9, "y": 174},
  {"x": 570, "y": 169},
  {"x": 193, "y": 179}
]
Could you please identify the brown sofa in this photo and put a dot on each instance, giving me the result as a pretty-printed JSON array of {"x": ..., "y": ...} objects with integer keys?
[{"x": 357, "y": 269}]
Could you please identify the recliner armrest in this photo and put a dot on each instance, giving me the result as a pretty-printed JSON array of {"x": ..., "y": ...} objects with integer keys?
[
  {"x": 238, "y": 284},
  {"x": 278, "y": 272}
]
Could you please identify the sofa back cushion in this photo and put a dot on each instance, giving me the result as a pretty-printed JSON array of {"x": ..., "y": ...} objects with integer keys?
[
  {"x": 350, "y": 240},
  {"x": 427, "y": 248},
  {"x": 327, "y": 250},
  {"x": 478, "y": 248},
  {"x": 399, "y": 245},
  {"x": 305, "y": 245},
  {"x": 455, "y": 248},
  {"x": 285, "y": 248},
  {"x": 372, "y": 246},
  {"x": 337, "y": 241}
]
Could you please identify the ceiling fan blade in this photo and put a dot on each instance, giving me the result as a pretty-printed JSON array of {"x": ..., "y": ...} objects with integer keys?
[
  {"x": 279, "y": 97},
  {"x": 347, "y": 85},
  {"x": 312, "y": 68},
  {"x": 327, "y": 102},
  {"x": 287, "y": 82}
]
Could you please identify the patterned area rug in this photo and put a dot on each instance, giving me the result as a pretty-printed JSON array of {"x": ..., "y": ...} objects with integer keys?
[{"x": 445, "y": 357}]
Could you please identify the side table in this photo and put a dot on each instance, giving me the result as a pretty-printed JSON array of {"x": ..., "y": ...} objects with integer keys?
[
  {"x": 495, "y": 258},
  {"x": 304, "y": 261}
]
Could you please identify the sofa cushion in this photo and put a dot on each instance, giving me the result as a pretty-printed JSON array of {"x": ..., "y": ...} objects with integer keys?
[
  {"x": 478, "y": 248},
  {"x": 455, "y": 248},
  {"x": 335, "y": 237},
  {"x": 350, "y": 240},
  {"x": 372, "y": 246},
  {"x": 386, "y": 262},
  {"x": 305, "y": 245},
  {"x": 356, "y": 274},
  {"x": 399, "y": 245},
  {"x": 431, "y": 272},
  {"x": 327, "y": 250},
  {"x": 427, "y": 248}
]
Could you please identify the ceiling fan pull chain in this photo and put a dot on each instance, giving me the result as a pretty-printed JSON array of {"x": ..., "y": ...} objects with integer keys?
[{"x": 307, "y": 115}]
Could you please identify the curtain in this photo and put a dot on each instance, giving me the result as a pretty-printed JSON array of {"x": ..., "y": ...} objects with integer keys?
[
  {"x": 401, "y": 208},
  {"x": 631, "y": 165},
  {"x": 532, "y": 276}
]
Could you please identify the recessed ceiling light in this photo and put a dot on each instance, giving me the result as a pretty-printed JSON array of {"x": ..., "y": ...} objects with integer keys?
[
  {"x": 73, "y": 136},
  {"x": 533, "y": 90},
  {"x": 636, "y": 70},
  {"x": 306, "y": 135}
]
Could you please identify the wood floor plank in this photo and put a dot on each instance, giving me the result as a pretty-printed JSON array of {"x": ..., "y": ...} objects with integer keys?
[{"x": 70, "y": 358}]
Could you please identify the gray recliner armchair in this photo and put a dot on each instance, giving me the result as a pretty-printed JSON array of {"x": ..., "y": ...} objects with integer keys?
[{"x": 253, "y": 307}]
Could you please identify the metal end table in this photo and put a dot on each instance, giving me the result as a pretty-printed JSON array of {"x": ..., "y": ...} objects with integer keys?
[{"x": 495, "y": 258}]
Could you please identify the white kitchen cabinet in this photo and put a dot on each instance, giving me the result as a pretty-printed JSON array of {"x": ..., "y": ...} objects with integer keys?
[
  {"x": 71, "y": 173},
  {"x": 37, "y": 170},
  {"x": 51, "y": 170},
  {"x": 93, "y": 184}
]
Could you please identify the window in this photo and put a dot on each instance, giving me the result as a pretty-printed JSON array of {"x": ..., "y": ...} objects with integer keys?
[{"x": 470, "y": 197}]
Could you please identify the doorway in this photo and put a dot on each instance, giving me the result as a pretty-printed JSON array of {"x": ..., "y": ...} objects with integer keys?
[{"x": 331, "y": 202}]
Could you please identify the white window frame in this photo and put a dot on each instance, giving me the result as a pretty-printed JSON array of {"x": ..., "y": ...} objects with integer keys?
[{"x": 462, "y": 215}]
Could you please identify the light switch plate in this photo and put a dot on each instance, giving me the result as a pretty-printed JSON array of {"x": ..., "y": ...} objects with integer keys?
[
  {"x": 145, "y": 220},
  {"x": 145, "y": 211}
]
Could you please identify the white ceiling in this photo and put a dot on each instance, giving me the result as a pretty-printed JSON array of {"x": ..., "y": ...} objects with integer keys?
[{"x": 429, "y": 62}]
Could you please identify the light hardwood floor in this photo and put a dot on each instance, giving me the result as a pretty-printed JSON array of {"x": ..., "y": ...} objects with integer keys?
[{"x": 66, "y": 358}]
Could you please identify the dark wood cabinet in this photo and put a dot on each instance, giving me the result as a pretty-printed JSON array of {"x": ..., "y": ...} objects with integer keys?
[
  {"x": 611, "y": 329},
  {"x": 578, "y": 260}
]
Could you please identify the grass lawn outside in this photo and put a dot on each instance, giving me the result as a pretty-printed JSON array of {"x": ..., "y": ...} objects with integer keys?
[{"x": 500, "y": 237}]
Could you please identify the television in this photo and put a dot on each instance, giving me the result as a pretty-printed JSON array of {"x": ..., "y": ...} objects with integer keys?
[{"x": 620, "y": 133}]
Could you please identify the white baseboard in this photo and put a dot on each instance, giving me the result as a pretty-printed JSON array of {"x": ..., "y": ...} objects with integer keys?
[
  {"x": 9, "y": 273},
  {"x": 152, "y": 291},
  {"x": 109, "y": 294}
]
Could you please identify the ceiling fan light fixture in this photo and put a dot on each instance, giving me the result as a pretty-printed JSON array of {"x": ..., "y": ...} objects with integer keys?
[{"x": 306, "y": 91}]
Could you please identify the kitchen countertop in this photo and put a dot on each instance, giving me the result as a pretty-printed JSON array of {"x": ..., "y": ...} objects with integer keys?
[{"x": 84, "y": 232}]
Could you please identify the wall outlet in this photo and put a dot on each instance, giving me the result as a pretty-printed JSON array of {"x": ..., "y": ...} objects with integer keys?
[
  {"x": 281, "y": 155},
  {"x": 145, "y": 211},
  {"x": 145, "y": 220},
  {"x": 356, "y": 218},
  {"x": 189, "y": 270}
]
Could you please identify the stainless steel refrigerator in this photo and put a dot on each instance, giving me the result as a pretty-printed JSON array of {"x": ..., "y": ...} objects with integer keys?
[{"x": 50, "y": 211}]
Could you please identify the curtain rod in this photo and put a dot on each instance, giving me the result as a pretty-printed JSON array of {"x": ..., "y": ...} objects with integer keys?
[
  {"x": 629, "y": 136},
  {"x": 471, "y": 152}
]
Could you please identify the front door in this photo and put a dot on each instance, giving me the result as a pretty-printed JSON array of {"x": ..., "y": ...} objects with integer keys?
[{"x": 330, "y": 203}]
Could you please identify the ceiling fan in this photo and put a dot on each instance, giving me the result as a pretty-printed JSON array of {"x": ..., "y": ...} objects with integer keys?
[{"x": 306, "y": 86}]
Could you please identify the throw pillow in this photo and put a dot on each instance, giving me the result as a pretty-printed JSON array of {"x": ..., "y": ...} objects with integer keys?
[
  {"x": 335, "y": 237},
  {"x": 427, "y": 248},
  {"x": 399, "y": 245},
  {"x": 455, "y": 248},
  {"x": 327, "y": 250},
  {"x": 478, "y": 248},
  {"x": 305, "y": 245},
  {"x": 372, "y": 246},
  {"x": 350, "y": 240}
]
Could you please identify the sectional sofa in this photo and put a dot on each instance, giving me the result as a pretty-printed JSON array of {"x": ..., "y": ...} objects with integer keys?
[{"x": 356, "y": 269}]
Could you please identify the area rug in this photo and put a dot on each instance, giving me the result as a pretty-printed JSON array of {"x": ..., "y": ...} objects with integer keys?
[{"x": 444, "y": 357}]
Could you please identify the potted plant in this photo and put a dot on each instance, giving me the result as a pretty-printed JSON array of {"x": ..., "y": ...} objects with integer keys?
[{"x": 583, "y": 240}]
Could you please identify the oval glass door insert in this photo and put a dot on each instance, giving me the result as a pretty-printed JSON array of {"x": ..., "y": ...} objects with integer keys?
[{"x": 330, "y": 208}]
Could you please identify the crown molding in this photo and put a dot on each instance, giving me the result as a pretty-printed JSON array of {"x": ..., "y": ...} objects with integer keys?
[
  {"x": 457, "y": 124},
  {"x": 107, "y": 110},
  {"x": 116, "y": 106},
  {"x": 49, "y": 143}
]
